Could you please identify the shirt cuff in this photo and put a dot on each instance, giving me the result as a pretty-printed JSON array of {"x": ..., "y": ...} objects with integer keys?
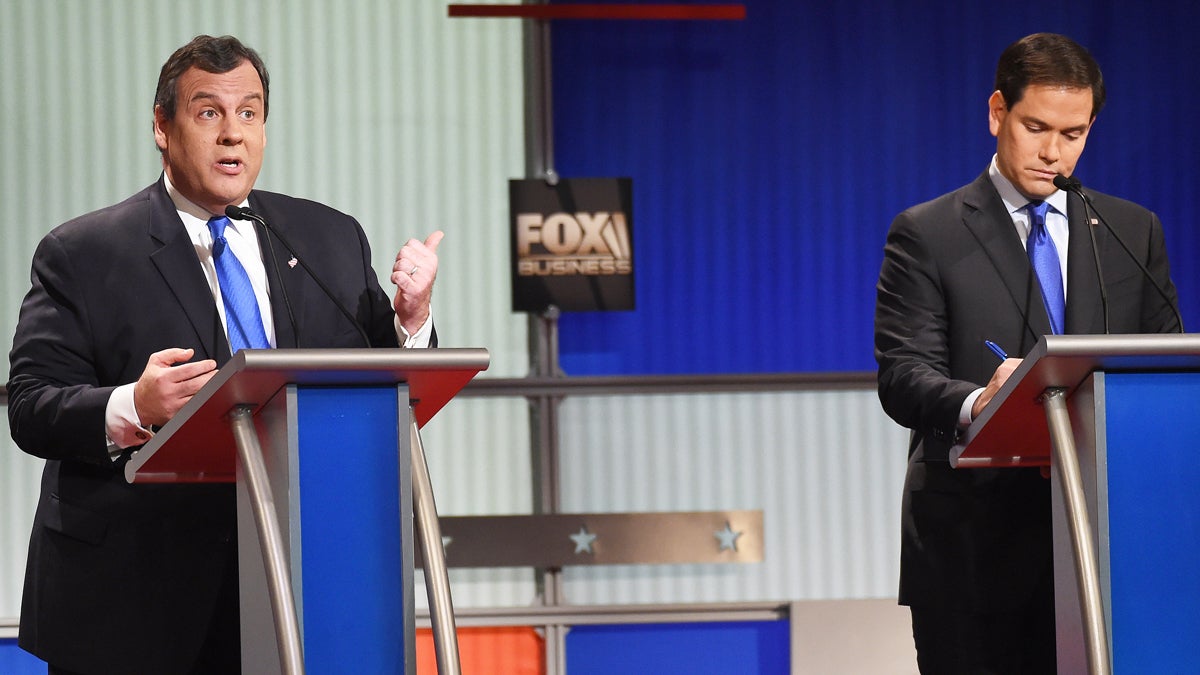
[
  {"x": 419, "y": 339},
  {"x": 964, "y": 413},
  {"x": 122, "y": 427}
]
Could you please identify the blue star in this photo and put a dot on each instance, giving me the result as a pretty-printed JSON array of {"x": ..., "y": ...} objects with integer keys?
[
  {"x": 583, "y": 540},
  {"x": 728, "y": 538}
]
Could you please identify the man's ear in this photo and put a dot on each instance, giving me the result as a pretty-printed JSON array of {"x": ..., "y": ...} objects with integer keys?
[
  {"x": 997, "y": 109},
  {"x": 160, "y": 131}
]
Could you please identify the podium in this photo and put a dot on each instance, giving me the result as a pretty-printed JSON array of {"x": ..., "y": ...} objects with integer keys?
[
  {"x": 1117, "y": 418},
  {"x": 324, "y": 446}
]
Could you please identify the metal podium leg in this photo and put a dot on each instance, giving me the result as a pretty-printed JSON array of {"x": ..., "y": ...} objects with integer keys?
[
  {"x": 437, "y": 580},
  {"x": 262, "y": 502},
  {"x": 1086, "y": 568}
]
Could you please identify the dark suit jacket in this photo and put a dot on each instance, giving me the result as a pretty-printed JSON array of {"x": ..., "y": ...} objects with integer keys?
[
  {"x": 955, "y": 274},
  {"x": 122, "y": 578}
]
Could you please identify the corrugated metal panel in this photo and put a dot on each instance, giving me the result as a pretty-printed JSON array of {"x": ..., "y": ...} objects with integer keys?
[
  {"x": 826, "y": 468},
  {"x": 478, "y": 454},
  {"x": 20, "y": 475},
  {"x": 386, "y": 110}
]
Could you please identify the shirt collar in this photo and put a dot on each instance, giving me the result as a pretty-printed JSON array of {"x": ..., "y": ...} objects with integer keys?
[
  {"x": 186, "y": 206},
  {"x": 1014, "y": 201}
]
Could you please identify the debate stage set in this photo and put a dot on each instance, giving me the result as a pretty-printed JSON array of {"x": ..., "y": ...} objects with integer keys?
[{"x": 650, "y": 440}]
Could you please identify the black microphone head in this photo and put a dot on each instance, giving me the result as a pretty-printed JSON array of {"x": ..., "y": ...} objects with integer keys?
[
  {"x": 236, "y": 212},
  {"x": 1071, "y": 184}
]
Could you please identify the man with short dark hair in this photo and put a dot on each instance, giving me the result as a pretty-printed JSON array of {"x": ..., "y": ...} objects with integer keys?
[
  {"x": 131, "y": 310},
  {"x": 1008, "y": 259}
]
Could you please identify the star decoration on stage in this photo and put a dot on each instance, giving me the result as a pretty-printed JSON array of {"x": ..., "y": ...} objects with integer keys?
[
  {"x": 446, "y": 541},
  {"x": 727, "y": 538},
  {"x": 583, "y": 540}
]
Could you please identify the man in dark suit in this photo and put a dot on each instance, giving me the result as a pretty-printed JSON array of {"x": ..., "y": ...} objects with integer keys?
[
  {"x": 976, "y": 560},
  {"x": 127, "y": 317}
]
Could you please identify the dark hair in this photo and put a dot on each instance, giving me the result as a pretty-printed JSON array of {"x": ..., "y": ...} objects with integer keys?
[
  {"x": 212, "y": 55},
  {"x": 1048, "y": 59}
]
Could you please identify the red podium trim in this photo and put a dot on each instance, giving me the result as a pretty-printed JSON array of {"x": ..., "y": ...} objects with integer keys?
[
  {"x": 202, "y": 446},
  {"x": 1012, "y": 430},
  {"x": 597, "y": 11}
]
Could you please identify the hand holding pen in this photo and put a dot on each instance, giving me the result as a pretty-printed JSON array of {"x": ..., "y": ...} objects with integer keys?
[
  {"x": 996, "y": 349},
  {"x": 1006, "y": 367}
]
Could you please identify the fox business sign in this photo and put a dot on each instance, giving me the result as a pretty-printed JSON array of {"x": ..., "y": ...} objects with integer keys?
[{"x": 572, "y": 244}]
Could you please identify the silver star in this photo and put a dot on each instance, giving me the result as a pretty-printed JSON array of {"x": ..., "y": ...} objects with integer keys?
[
  {"x": 583, "y": 540},
  {"x": 446, "y": 541},
  {"x": 728, "y": 538}
]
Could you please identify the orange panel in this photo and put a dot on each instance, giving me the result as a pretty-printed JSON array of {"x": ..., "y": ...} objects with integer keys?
[{"x": 507, "y": 650}]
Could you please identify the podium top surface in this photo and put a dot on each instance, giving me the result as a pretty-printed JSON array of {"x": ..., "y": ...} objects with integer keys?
[
  {"x": 197, "y": 444},
  {"x": 1012, "y": 429}
]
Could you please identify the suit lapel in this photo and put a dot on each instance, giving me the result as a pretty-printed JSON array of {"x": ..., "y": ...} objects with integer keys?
[
  {"x": 176, "y": 261},
  {"x": 284, "y": 277},
  {"x": 1084, "y": 308},
  {"x": 985, "y": 215}
]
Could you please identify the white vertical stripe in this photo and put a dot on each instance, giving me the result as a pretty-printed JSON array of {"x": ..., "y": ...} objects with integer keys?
[{"x": 20, "y": 475}]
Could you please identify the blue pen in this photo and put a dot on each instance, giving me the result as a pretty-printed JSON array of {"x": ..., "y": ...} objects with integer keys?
[{"x": 996, "y": 349}]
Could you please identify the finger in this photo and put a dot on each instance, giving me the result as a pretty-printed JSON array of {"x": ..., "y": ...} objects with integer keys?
[
  {"x": 171, "y": 355},
  {"x": 195, "y": 384},
  {"x": 409, "y": 284},
  {"x": 401, "y": 279},
  {"x": 414, "y": 262},
  {"x": 432, "y": 241},
  {"x": 175, "y": 376},
  {"x": 421, "y": 251},
  {"x": 191, "y": 371}
]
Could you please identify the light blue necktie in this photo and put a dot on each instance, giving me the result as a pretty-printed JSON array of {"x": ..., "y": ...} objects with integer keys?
[
  {"x": 1044, "y": 258},
  {"x": 242, "y": 318}
]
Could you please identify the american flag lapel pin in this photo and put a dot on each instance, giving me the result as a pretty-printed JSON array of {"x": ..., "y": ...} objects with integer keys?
[{"x": 292, "y": 262}]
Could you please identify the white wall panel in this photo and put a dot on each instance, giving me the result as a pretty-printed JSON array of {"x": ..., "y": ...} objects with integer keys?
[
  {"x": 19, "y": 478},
  {"x": 478, "y": 454},
  {"x": 826, "y": 468}
]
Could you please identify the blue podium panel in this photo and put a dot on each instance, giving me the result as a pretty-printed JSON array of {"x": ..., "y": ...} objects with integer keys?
[
  {"x": 716, "y": 648},
  {"x": 350, "y": 529},
  {"x": 17, "y": 661},
  {"x": 1152, "y": 432}
]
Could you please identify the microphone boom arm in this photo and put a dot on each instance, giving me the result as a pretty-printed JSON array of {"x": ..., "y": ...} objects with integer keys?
[{"x": 240, "y": 213}]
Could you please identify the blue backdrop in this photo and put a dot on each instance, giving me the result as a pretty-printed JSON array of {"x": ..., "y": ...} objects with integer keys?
[{"x": 769, "y": 156}]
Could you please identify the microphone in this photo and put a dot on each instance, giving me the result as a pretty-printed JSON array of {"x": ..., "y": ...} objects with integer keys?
[
  {"x": 241, "y": 213},
  {"x": 1072, "y": 184}
]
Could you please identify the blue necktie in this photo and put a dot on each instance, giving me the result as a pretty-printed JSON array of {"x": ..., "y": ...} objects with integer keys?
[
  {"x": 1044, "y": 258},
  {"x": 243, "y": 321}
]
